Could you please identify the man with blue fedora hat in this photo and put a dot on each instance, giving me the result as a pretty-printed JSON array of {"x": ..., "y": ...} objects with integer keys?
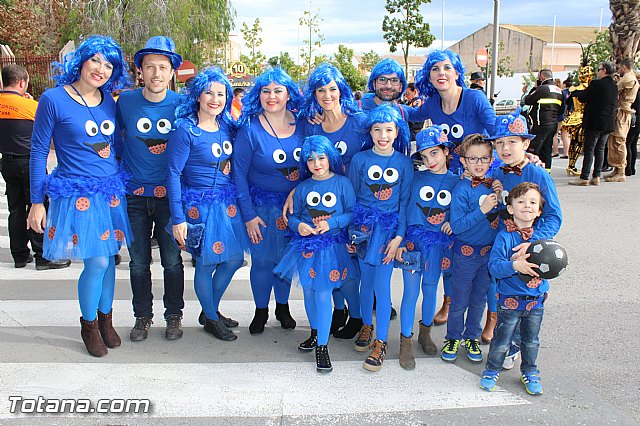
[{"x": 145, "y": 116}]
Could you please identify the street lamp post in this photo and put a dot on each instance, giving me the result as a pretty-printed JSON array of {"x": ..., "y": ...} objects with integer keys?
[{"x": 494, "y": 47}]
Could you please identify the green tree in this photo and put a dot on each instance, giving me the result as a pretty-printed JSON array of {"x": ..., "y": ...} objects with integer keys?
[
  {"x": 285, "y": 61},
  {"x": 343, "y": 60},
  {"x": 314, "y": 40},
  {"x": 504, "y": 63},
  {"x": 369, "y": 60},
  {"x": 252, "y": 39},
  {"x": 406, "y": 30}
]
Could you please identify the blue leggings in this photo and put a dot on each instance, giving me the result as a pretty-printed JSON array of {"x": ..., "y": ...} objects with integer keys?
[
  {"x": 318, "y": 307},
  {"x": 96, "y": 285},
  {"x": 410, "y": 298},
  {"x": 338, "y": 299},
  {"x": 376, "y": 280},
  {"x": 210, "y": 290},
  {"x": 263, "y": 280}
]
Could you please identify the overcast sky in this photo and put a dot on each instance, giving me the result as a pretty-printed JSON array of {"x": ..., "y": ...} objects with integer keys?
[{"x": 358, "y": 23}]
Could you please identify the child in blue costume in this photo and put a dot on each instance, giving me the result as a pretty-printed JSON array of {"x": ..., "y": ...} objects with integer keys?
[
  {"x": 511, "y": 140},
  {"x": 265, "y": 170},
  {"x": 201, "y": 191},
  {"x": 317, "y": 255},
  {"x": 429, "y": 234},
  {"x": 87, "y": 218},
  {"x": 474, "y": 199},
  {"x": 461, "y": 112},
  {"x": 146, "y": 116},
  {"x": 521, "y": 304},
  {"x": 381, "y": 177},
  {"x": 328, "y": 93}
]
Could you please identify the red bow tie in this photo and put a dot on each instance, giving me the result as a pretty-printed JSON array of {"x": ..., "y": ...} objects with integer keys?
[
  {"x": 525, "y": 233},
  {"x": 476, "y": 181}
]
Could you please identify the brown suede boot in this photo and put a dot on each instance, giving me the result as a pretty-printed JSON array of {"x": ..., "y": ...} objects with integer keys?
[
  {"x": 612, "y": 174},
  {"x": 443, "y": 314},
  {"x": 616, "y": 176},
  {"x": 426, "y": 342},
  {"x": 91, "y": 337},
  {"x": 407, "y": 359},
  {"x": 487, "y": 333},
  {"x": 109, "y": 335}
]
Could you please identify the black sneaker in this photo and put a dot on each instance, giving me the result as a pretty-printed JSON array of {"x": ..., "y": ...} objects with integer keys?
[
  {"x": 310, "y": 343},
  {"x": 140, "y": 331},
  {"x": 230, "y": 323},
  {"x": 338, "y": 319},
  {"x": 174, "y": 327},
  {"x": 44, "y": 264},
  {"x": 323, "y": 362},
  {"x": 219, "y": 330},
  {"x": 23, "y": 263}
]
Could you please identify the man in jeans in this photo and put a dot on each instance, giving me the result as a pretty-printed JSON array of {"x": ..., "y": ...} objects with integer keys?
[
  {"x": 547, "y": 105},
  {"x": 145, "y": 116},
  {"x": 17, "y": 113},
  {"x": 598, "y": 121}
]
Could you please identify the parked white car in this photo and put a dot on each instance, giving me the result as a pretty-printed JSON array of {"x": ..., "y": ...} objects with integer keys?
[{"x": 506, "y": 106}]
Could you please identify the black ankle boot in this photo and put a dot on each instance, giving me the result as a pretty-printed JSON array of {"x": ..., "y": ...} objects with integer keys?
[
  {"x": 339, "y": 319},
  {"x": 323, "y": 362},
  {"x": 259, "y": 320},
  {"x": 310, "y": 343},
  {"x": 350, "y": 330},
  {"x": 284, "y": 316}
]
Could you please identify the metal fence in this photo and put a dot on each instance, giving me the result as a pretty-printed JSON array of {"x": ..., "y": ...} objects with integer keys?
[{"x": 39, "y": 69}]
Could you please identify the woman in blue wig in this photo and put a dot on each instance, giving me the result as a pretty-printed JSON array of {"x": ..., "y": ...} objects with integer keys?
[
  {"x": 87, "y": 217},
  {"x": 265, "y": 170},
  {"x": 201, "y": 191},
  {"x": 329, "y": 94}
]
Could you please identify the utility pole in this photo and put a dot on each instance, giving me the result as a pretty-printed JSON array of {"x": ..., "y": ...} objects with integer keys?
[{"x": 494, "y": 47}]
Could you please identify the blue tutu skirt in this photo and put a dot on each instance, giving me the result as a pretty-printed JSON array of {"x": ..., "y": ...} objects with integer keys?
[
  {"x": 435, "y": 249},
  {"x": 225, "y": 235},
  {"x": 380, "y": 226},
  {"x": 317, "y": 262},
  {"x": 87, "y": 217},
  {"x": 276, "y": 235}
]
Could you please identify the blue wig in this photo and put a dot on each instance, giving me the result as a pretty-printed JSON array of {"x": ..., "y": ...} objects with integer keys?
[
  {"x": 251, "y": 105},
  {"x": 188, "y": 105},
  {"x": 423, "y": 82},
  {"x": 69, "y": 71},
  {"x": 387, "y": 114},
  {"x": 386, "y": 67},
  {"x": 321, "y": 76},
  {"x": 318, "y": 145}
]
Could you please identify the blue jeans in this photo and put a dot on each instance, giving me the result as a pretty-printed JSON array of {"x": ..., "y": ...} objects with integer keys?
[
  {"x": 508, "y": 320},
  {"x": 144, "y": 212},
  {"x": 469, "y": 285}
]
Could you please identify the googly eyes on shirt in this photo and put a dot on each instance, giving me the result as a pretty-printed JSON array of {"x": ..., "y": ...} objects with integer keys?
[
  {"x": 144, "y": 125},
  {"x": 216, "y": 149},
  {"x": 329, "y": 199},
  {"x": 457, "y": 131},
  {"x": 313, "y": 198},
  {"x": 445, "y": 128},
  {"x": 279, "y": 156},
  {"x": 91, "y": 128},
  {"x": 391, "y": 175},
  {"x": 227, "y": 147},
  {"x": 107, "y": 127},
  {"x": 374, "y": 172},
  {"x": 426, "y": 193},
  {"x": 296, "y": 154},
  {"x": 444, "y": 198},
  {"x": 341, "y": 146},
  {"x": 164, "y": 126}
]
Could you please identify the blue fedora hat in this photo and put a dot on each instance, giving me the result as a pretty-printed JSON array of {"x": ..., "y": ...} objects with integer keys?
[
  {"x": 429, "y": 138},
  {"x": 513, "y": 124},
  {"x": 159, "y": 45}
]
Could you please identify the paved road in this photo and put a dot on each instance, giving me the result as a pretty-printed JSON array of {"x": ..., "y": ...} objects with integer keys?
[{"x": 589, "y": 342}]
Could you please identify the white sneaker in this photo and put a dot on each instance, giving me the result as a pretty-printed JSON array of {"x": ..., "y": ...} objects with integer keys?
[{"x": 510, "y": 359}]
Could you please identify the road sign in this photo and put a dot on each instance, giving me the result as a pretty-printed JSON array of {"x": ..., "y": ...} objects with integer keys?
[
  {"x": 186, "y": 71},
  {"x": 482, "y": 57}
]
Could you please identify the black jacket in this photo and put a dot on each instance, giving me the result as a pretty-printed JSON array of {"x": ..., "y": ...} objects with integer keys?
[
  {"x": 600, "y": 103},
  {"x": 547, "y": 101}
]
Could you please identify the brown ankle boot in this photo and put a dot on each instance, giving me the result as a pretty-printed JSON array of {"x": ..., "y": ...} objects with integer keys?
[
  {"x": 426, "y": 342},
  {"x": 109, "y": 335},
  {"x": 616, "y": 176},
  {"x": 407, "y": 359},
  {"x": 91, "y": 337},
  {"x": 487, "y": 333},
  {"x": 612, "y": 174},
  {"x": 443, "y": 314}
]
